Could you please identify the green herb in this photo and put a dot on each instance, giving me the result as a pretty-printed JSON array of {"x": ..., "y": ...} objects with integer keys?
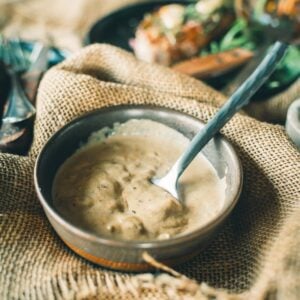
[
  {"x": 191, "y": 14},
  {"x": 287, "y": 71},
  {"x": 241, "y": 35},
  {"x": 259, "y": 9},
  {"x": 237, "y": 36}
]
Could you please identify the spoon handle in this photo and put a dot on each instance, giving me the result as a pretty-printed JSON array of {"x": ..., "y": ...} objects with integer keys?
[
  {"x": 19, "y": 108},
  {"x": 239, "y": 98}
]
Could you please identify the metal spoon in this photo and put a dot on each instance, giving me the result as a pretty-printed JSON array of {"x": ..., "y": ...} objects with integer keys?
[
  {"x": 19, "y": 108},
  {"x": 240, "y": 98}
]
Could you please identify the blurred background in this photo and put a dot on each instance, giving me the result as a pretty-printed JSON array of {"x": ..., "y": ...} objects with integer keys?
[
  {"x": 37, "y": 34},
  {"x": 64, "y": 22}
]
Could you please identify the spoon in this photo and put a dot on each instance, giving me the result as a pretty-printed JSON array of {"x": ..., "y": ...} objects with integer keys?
[
  {"x": 239, "y": 99},
  {"x": 19, "y": 108}
]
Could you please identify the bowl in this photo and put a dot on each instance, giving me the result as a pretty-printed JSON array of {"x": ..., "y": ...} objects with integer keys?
[
  {"x": 292, "y": 124},
  {"x": 128, "y": 255}
]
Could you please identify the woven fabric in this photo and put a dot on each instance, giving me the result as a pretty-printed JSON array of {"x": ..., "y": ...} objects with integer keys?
[
  {"x": 256, "y": 255},
  {"x": 275, "y": 108}
]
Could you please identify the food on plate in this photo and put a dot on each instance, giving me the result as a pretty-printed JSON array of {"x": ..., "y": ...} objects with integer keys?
[
  {"x": 214, "y": 64},
  {"x": 175, "y": 32}
]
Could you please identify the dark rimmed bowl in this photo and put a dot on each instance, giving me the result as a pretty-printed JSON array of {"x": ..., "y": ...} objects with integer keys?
[
  {"x": 119, "y": 26},
  {"x": 127, "y": 255}
]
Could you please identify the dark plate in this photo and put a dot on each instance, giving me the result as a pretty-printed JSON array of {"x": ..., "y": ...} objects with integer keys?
[{"x": 119, "y": 26}]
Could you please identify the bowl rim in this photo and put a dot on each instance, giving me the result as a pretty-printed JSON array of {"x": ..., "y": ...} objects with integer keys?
[{"x": 134, "y": 244}]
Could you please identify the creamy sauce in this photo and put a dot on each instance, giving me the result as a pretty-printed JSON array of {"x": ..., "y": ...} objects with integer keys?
[{"x": 104, "y": 187}]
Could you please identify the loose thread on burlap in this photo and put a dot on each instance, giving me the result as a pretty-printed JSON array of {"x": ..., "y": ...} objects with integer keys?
[
  {"x": 183, "y": 283},
  {"x": 158, "y": 265}
]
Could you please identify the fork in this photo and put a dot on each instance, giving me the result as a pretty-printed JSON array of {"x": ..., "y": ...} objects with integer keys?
[{"x": 19, "y": 107}]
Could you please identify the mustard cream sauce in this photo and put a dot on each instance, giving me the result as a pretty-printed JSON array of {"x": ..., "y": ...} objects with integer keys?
[{"x": 104, "y": 187}]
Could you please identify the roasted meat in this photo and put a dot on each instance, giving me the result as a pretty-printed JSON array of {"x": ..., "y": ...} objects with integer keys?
[{"x": 175, "y": 32}]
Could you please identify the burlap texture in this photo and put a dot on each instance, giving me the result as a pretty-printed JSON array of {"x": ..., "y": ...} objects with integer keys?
[
  {"x": 274, "y": 109},
  {"x": 256, "y": 256}
]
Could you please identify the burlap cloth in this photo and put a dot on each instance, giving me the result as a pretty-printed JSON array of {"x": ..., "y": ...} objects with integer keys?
[{"x": 256, "y": 256}]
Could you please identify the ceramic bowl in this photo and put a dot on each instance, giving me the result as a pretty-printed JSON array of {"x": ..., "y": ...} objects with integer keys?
[{"x": 128, "y": 255}]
